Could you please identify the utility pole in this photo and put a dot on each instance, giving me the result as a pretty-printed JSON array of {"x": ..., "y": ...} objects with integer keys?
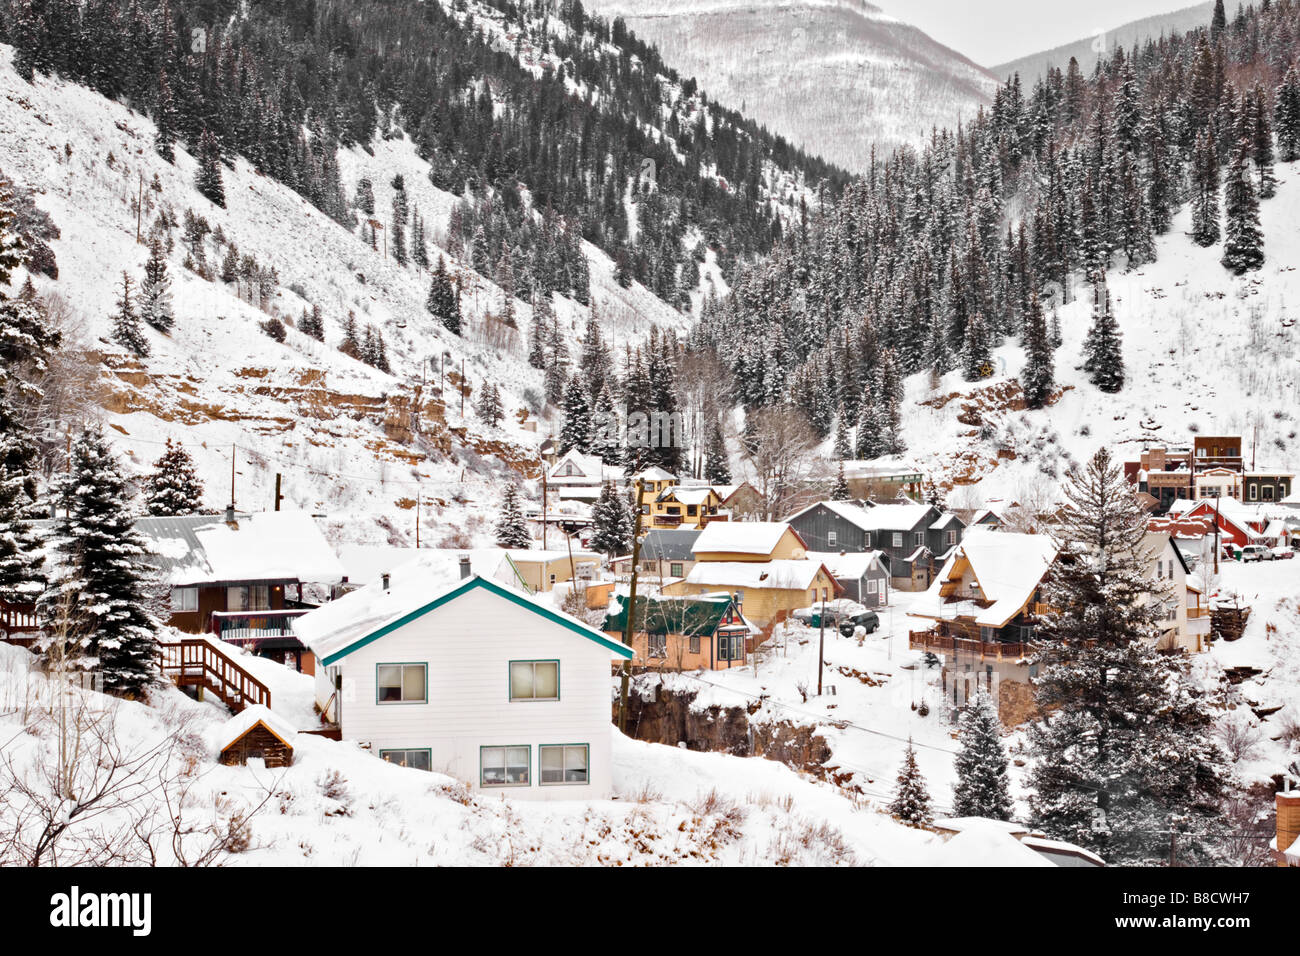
[
  {"x": 1216, "y": 534},
  {"x": 821, "y": 642},
  {"x": 543, "y": 506},
  {"x": 462, "y": 388},
  {"x": 278, "y": 497},
  {"x": 631, "y": 611},
  {"x": 232, "y": 476},
  {"x": 139, "y": 207},
  {"x": 418, "y": 494}
]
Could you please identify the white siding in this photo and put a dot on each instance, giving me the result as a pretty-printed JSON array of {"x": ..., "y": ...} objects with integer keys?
[{"x": 468, "y": 645}]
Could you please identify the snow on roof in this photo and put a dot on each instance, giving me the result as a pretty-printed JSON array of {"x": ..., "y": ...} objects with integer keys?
[
  {"x": 366, "y": 563},
  {"x": 415, "y": 585},
  {"x": 592, "y": 468},
  {"x": 786, "y": 574},
  {"x": 961, "y": 824},
  {"x": 655, "y": 473},
  {"x": 894, "y": 516},
  {"x": 1182, "y": 506},
  {"x": 1055, "y": 848},
  {"x": 985, "y": 843},
  {"x": 740, "y": 537},
  {"x": 1009, "y": 567},
  {"x": 250, "y": 717},
  {"x": 272, "y": 546},
  {"x": 847, "y": 565},
  {"x": 688, "y": 496},
  {"x": 944, "y": 519}
]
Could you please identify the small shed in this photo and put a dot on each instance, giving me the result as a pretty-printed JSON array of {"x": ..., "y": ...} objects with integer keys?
[{"x": 257, "y": 732}]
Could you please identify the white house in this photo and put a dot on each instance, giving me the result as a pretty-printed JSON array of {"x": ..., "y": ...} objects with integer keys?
[{"x": 436, "y": 667}]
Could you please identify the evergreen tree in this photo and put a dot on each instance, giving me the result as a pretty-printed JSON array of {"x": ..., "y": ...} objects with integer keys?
[
  {"x": 443, "y": 302},
  {"x": 611, "y": 523},
  {"x": 977, "y": 351},
  {"x": 155, "y": 290},
  {"x": 313, "y": 323},
  {"x": 21, "y": 559},
  {"x": 576, "y": 432},
  {"x": 351, "y": 344},
  {"x": 165, "y": 120},
  {"x": 512, "y": 527},
  {"x": 717, "y": 467},
  {"x": 1286, "y": 117},
  {"x": 173, "y": 488},
  {"x": 1038, "y": 376},
  {"x": 94, "y": 608},
  {"x": 1243, "y": 241},
  {"x": 606, "y": 438},
  {"x": 843, "y": 439},
  {"x": 489, "y": 405},
  {"x": 126, "y": 323},
  {"x": 209, "y": 181},
  {"x": 911, "y": 803},
  {"x": 1205, "y": 191},
  {"x": 982, "y": 787},
  {"x": 1103, "y": 357},
  {"x": 1125, "y": 755},
  {"x": 840, "y": 492}
]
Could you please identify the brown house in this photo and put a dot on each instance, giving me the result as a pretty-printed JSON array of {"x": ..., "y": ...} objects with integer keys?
[
  {"x": 242, "y": 577},
  {"x": 685, "y": 633}
]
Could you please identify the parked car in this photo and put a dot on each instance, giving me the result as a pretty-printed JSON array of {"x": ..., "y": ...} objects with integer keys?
[
  {"x": 1255, "y": 552},
  {"x": 1281, "y": 554},
  {"x": 833, "y": 611},
  {"x": 869, "y": 621}
]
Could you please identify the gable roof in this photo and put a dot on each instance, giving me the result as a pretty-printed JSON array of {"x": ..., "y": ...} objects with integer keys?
[
  {"x": 743, "y": 537},
  {"x": 272, "y": 546},
  {"x": 417, "y": 587},
  {"x": 1008, "y": 567},
  {"x": 786, "y": 574},
  {"x": 250, "y": 717},
  {"x": 687, "y": 495},
  {"x": 849, "y": 565},
  {"x": 690, "y": 615},
  {"x": 655, "y": 473},
  {"x": 894, "y": 516}
]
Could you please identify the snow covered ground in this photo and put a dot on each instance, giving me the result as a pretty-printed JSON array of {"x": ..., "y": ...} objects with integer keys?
[{"x": 338, "y": 804}]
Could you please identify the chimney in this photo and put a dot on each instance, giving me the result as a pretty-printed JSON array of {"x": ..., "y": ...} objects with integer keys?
[
  {"x": 464, "y": 566},
  {"x": 1288, "y": 823},
  {"x": 385, "y": 578},
  {"x": 737, "y": 598}
]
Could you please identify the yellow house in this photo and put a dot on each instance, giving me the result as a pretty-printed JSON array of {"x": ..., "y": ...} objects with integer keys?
[
  {"x": 685, "y": 507},
  {"x": 654, "y": 482},
  {"x": 749, "y": 541},
  {"x": 765, "y": 591}
]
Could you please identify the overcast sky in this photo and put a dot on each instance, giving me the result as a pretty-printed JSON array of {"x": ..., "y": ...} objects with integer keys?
[{"x": 995, "y": 31}]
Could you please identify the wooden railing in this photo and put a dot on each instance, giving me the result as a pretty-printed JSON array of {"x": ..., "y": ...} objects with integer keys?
[
  {"x": 253, "y": 625},
  {"x": 195, "y": 662},
  {"x": 1195, "y": 612},
  {"x": 989, "y": 650},
  {"x": 18, "y": 623}
]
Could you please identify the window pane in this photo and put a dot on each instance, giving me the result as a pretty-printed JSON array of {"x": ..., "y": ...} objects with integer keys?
[
  {"x": 413, "y": 682},
  {"x": 236, "y": 599},
  {"x": 575, "y": 764},
  {"x": 546, "y": 677},
  {"x": 390, "y": 682},
  {"x": 516, "y": 764},
  {"x": 551, "y": 760},
  {"x": 521, "y": 680}
]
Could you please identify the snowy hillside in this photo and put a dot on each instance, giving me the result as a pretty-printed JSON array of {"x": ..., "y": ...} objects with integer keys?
[
  {"x": 836, "y": 77},
  {"x": 339, "y": 805},
  {"x": 346, "y": 437},
  {"x": 1204, "y": 351}
]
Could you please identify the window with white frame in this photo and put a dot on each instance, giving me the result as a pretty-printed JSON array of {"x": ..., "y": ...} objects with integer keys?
[
  {"x": 401, "y": 683},
  {"x": 534, "y": 680},
  {"x": 731, "y": 647},
  {"x": 866, "y": 540},
  {"x": 505, "y": 766},
  {"x": 898, "y": 539},
  {"x": 951, "y": 538},
  {"x": 185, "y": 599},
  {"x": 415, "y": 759},
  {"x": 873, "y": 586},
  {"x": 559, "y": 764},
  {"x": 832, "y": 539},
  {"x": 918, "y": 538}
]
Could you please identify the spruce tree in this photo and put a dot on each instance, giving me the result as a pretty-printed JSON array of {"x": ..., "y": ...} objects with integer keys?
[
  {"x": 977, "y": 351},
  {"x": 1205, "y": 191},
  {"x": 1125, "y": 754},
  {"x": 843, "y": 437},
  {"x": 313, "y": 323},
  {"x": 982, "y": 787},
  {"x": 95, "y": 607},
  {"x": 512, "y": 527},
  {"x": 1286, "y": 117},
  {"x": 1243, "y": 240},
  {"x": 575, "y": 433},
  {"x": 840, "y": 491},
  {"x": 1103, "y": 357},
  {"x": 443, "y": 302},
  {"x": 606, "y": 438},
  {"x": 1038, "y": 376},
  {"x": 911, "y": 803},
  {"x": 611, "y": 523},
  {"x": 489, "y": 405},
  {"x": 209, "y": 181},
  {"x": 126, "y": 322},
  {"x": 155, "y": 290},
  {"x": 173, "y": 488},
  {"x": 21, "y": 560},
  {"x": 717, "y": 467}
]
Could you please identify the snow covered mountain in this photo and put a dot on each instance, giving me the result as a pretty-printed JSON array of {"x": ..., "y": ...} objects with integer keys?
[
  {"x": 835, "y": 77},
  {"x": 1089, "y": 49},
  {"x": 348, "y": 439}
]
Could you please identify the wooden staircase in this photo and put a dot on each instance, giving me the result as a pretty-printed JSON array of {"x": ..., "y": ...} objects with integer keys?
[{"x": 196, "y": 662}]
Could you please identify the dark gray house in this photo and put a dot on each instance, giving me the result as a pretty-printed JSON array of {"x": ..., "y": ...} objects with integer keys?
[
  {"x": 914, "y": 538},
  {"x": 862, "y": 574},
  {"x": 665, "y": 553}
]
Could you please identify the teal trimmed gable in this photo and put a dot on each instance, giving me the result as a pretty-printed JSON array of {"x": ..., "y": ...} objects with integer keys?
[{"x": 477, "y": 582}]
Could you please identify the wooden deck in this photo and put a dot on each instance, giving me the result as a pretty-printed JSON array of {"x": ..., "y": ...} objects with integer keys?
[{"x": 951, "y": 644}]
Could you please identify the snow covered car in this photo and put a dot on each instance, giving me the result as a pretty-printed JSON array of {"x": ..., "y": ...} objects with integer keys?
[
  {"x": 869, "y": 621},
  {"x": 1281, "y": 554},
  {"x": 833, "y": 611},
  {"x": 1255, "y": 552}
]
